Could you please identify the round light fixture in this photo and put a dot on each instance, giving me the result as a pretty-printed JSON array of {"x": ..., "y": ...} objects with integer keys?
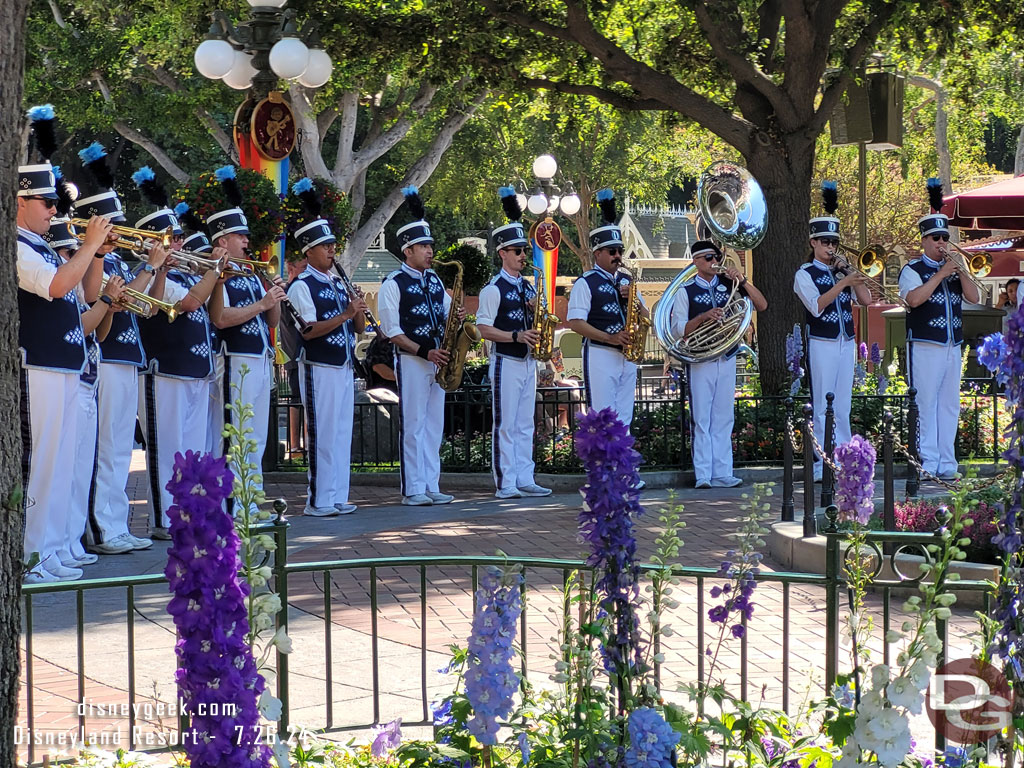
[
  {"x": 537, "y": 204},
  {"x": 241, "y": 73},
  {"x": 318, "y": 69},
  {"x": 521, "y": 199},
  {"x": 545, "y": 167},
  {"x": 289, "y": 58},
  {"x": 214, "y": 58},
  {"x": 268, "y": 3},
  {"x": 570, "y": 204},
  {"x": 553, "y": 204}
]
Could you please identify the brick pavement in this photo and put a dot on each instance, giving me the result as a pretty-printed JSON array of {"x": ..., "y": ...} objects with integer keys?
[{"x": 331, "y": 668}]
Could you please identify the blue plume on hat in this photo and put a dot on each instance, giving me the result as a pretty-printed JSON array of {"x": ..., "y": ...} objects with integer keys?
[
  {"x": 935, "y": 194},
  {"x": 307, "y": 194},
  {"x": 510, "y": 203},
  {"x": 44, "y": 130},
  {"x": 95, "y": 159},
  {"x": 154, "y": 192},
  {"x": 65, "y": 192},
  {"x": 188, "y": 218},
  {"x": 226, "y": 176},
  {"x": 181, "y": 208},
  {"x": 145, "y": 173},
  {"x": 606, "y": 201},
  {"x": 412, "y": 199},
  {"x": 829, "y": 197},
  {"x": 302, "y": 185}
]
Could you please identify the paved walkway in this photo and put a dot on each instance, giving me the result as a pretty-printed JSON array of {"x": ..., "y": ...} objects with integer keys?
[{"x": 344, "y": 676}]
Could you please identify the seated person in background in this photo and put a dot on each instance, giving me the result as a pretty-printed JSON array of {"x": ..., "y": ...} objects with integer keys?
[
  {"x": 380, "y": 364},
  {"x": 1008, "y": 301},
  {"x": 554, "y": 404}
]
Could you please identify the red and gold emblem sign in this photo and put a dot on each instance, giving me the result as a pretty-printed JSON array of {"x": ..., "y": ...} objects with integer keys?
[
  {"x": 273, "y": 127},
  {"x": 546, "y": 234}
]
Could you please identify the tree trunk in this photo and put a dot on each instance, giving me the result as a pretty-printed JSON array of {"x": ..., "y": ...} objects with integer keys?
[
  {"x": 784, "y": 173},
  {"x": 1018, "y": 160},
  {"x": 12, "y": 40}
]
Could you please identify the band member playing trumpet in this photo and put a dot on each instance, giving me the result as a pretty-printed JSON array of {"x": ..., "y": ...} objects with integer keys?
[
  {"x": 711, "y": 384},
  {"x": 504, "y": 318},
  {"x": 326, "y": 353},
  {"x": 828, "y": 300},
  {"x": 244, "y": 312},
  {"x": 597, "y": 312},
  {"x": 934, "y": 291},
  {"x": 414, "y": 309}
]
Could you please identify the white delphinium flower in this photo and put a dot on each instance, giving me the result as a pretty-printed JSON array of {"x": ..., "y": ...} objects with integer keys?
[
  {"x": 887, "y": 735},
  {"x": 902, "y": 692},
  {"x": 919, "y": 674}
]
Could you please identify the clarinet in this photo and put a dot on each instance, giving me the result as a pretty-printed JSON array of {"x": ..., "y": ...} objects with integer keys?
[
  {"x": 286, "y": 305},
  {"x": 353, "y": 294}
]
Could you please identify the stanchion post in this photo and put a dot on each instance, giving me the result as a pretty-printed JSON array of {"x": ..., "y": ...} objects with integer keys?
[
  {"x": 788, "y": 512},
  {"x": 913, "y": 442},
  {"x": 888, "y": 490},
  {"x": 827, "y": 478},
  {"x": 809, "y": 526}
]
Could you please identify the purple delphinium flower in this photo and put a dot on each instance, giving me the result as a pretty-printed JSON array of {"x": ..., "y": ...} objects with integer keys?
[
  {"x": 386, "y": 738},
  {"x": 862, "y": 350},
  {"x": 524, "y": 747},
  {"x": 855, "y": 481},
  {"x": 860, "y": 374},
  {"x": 992, "y": 354},
  {"x": 651, "y": 740},
  {"x": 875, "y": 358},
  {"x": 605, "y": 448},
  {"x": 883, "y": 383},
  {"x": 216, "y": 669},
  {"x": 795, "y": 357},
  {"x": 491, "y": 681}
]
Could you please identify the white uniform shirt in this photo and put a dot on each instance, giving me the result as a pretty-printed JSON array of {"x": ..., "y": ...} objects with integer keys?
[
  {"x": 681, "y": 305},
  {"x": 34, "y": 272},
  {"x": 909, "y": 279},
  {"x": 389, "y": 298},
  {"x": 807, "y": 291},
  {"x": 298, "y": 294},
  {"x": 579, "y": 297}
]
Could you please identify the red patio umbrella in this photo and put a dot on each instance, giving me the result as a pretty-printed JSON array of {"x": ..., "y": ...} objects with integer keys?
[{"x": 995, "y": 206}]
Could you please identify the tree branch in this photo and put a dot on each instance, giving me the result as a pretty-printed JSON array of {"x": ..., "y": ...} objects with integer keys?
[
  {"x": 309, "y": 134},
  {"x": 941, "y": 126},
  {"x": 150, "y": 146},
  {"x": 219, "y": 135},
  {"x": 58, "y": 18},
  {"x": 348, "y": 106},
  {"x": 377, "y": 146},
  {"x": 621, "y": 101}
]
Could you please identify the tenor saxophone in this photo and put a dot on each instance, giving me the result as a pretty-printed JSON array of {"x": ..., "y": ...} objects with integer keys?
[
  {"x": 544, "y": 322},
  {"x": 459, "y": 336},
  {"x": 636, "y": 322}
]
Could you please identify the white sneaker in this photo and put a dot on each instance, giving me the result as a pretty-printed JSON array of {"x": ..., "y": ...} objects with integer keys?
[
  {"x": 118, "y": 545},
  {"x": 320, "y": 511},
  {"x": 436, "y": 497},
  {"x": 639, "y": 485},
  {"x": 726, "y": 482},
  {"x": 417, "y": 500},
  {"x": 78, "y": 562},
  {"x": 138, "y": 543},
  {"x": 703, "y": 484},
  {"x": 63, "y": 573},
  {"x": 534, "y": 490},
  {"x": 948, "y": 475},
  {"x": 508, "y": 493},
  {"x": 346, "y": 508},
  {"x": 162, "y": 534},
  {"x": 38, "y": 575}
]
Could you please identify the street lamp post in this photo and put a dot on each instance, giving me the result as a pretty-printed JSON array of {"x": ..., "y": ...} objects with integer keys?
[{"x": 548, "y": 196}]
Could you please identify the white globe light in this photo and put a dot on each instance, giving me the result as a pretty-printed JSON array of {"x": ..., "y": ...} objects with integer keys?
[
  {"x": 318, "y": 69},
  {"x": 570, "y": 205},
  {"x": 289, "y": 58},
  {"x": 544, "y": 167},
  {"x": 241, "y": 73},
  {"x": 521, "y": 199},
  {"x": 213, "y": 58},
  {"x": 537, "y": 204},
  {"x": 553, "y": 204},
  {"x": 268, "y": 3}
]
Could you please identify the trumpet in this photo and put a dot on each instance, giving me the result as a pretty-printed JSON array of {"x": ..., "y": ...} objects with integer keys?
[
  {"x": 969, "y": 265},
  {"x": 141, "y": 304},
  {"x": 870, "y": 262},
  {"x": 198, "y": 265},
  {"x": 129, "y": 237}
]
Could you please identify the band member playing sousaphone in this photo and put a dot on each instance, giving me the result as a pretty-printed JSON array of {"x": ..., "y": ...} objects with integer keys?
[{"x": 504, "y": 318}]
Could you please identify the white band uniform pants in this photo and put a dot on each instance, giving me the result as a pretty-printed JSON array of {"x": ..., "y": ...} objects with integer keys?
[
  {"x": 935, "y": 374},
  {"x": 327, "y": 398},
  {"x": 175, "y": 415},
  {"x": 84, "y": 470},
  {"x": 49, "y": 425},
  {"x": 610, "y": 380},
  {"x": 420, "y": 424},
  {"x": 118, "y": 404},
  {"x": 712, "y": 389},
  {"x": 254, "y": 390},
  {"x": 513, "y": 398},
  {"x": 215, "y": 403},
  {"x": 831, "y": 362}
]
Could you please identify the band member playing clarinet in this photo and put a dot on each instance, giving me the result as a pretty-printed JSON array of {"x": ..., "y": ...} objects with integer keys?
[
  {"x": 935, "y": 291},
  {"x": 326, "y": 354},
  {"x": 828, "y": 302},
  {"x": 413, "y": 310},
  {"x": 244, "y": 312},
  {"x": 711, "y": 384},
  {"x": 504, "y": 318}
]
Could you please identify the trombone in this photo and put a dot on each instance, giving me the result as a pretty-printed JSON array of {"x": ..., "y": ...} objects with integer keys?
[
  {"x": 970, "y": 265},
  {"x": 869, "y": 262},
  {"x": 141, "y": 304},
  {"x": 129, "y": 237}
]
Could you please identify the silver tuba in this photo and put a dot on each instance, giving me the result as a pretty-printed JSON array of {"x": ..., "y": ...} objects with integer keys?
[{"x": 731, "y": 210}]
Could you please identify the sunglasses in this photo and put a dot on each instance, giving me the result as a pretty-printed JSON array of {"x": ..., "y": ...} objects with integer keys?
[
  {"x": 516, "y": 250},
  {"x": 712, "y": 257},
  {"x": 50, "y": 202},
  {"x": 827, "y": 241},
  {"x": 940, "y": 238},
  {"x": 615, "y": 251}
]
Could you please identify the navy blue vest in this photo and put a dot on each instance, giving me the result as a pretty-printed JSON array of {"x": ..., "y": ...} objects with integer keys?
[
  {"x": 702, "y": 298},
  {"x": 330, "y": 299},
  {"x": 835, "y": 319},
  {"x": 607, "y": 307},
  {"x": 251, "y": 337},
  {"x": 124, "y": 341},
  {"x": 50, "y": 332},
  {"x": 512, "y": 314},
  {"x": 182, "y": 349},
  {"x": 940, "y": 319},
  {"x": 420, "y": 313}
]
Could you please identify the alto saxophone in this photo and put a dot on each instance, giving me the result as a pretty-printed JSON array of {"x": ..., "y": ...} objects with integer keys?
[
  {"x": 544, "y": 322},
  {"x": 637, "y": 323},
  {"x": 459, "y": 336}
]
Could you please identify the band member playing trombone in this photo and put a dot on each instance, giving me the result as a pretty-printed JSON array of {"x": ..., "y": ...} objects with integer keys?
[
  {"x": 828, "y": 303},
  {"x": 504, "y": 318},
  {"x": 712, "y": 383},
  {"x": 326, "y": 353},
  {"x": 935, "y": 290}
]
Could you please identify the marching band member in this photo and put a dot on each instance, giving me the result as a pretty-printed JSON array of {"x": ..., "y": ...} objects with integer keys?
[
  {"x": 712, "y": 383},
  {"x": 504, "y": 318},
  {"x": 413, "y": 310},
  {"x": 175, "y": 386},
  {"x": 121, "y": 358},
  {"x": 828, "y": 301},
  {"x": 934, "y": 291},
  {"x": 325, "y": 358},
  {"x": 53, "y": 354},
  {"x": 597, "y": 312},
  {"x": 244, "y": 312}
]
